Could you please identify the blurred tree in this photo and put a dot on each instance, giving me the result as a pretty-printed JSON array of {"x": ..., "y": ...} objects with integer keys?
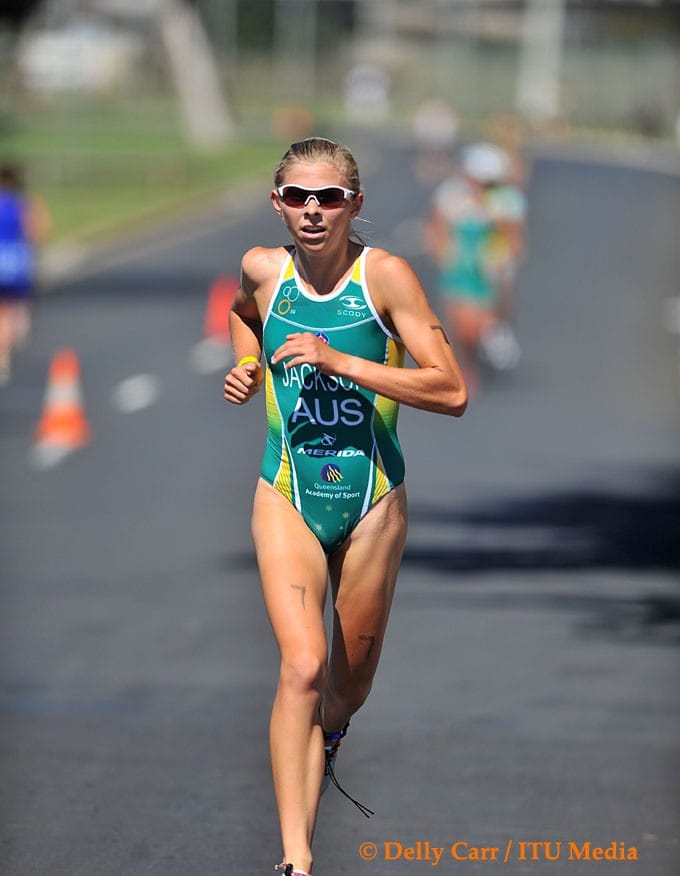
[
  {"x": 206, "y": 116},
  {"x": 256, "y": 24},
  {"x": 15, "y": 12}
]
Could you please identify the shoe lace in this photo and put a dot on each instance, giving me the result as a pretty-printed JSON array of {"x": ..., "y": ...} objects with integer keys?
[{"x": 331, "y": 750}]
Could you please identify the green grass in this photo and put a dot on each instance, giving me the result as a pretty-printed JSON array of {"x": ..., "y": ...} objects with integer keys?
[
  {"x": 103, "y": 165},
  {"x": 100, "y": 166}
]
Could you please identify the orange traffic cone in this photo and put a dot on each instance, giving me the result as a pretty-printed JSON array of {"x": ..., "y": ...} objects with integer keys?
[
  {"x": 63, "y": 423},
  {"x": 220, "y": 297}
]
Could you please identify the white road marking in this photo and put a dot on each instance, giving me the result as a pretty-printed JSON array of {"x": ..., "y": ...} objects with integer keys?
[
  {"x": 209, "y": 356},
  {"x": 136, "y": 393}
]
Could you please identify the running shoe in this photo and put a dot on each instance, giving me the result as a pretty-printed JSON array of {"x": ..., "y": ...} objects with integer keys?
[{"x": 288, "y": 870}]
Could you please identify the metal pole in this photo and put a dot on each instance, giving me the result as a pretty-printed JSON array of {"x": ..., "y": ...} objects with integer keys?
[
  {"x": 537, "y": 93},
  {"x": 295, "y": 36}
]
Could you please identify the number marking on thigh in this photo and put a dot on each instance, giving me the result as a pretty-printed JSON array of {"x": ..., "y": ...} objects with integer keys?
[
  {"x": 302, "y": 589},
  {"x": 370, "y": 640}
]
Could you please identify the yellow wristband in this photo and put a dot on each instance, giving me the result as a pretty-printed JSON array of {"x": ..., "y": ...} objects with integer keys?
[{"x": 248, "y": 359}]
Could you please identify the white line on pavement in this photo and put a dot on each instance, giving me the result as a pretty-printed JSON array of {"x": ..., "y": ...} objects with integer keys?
[{"x": 136, "y": 393}]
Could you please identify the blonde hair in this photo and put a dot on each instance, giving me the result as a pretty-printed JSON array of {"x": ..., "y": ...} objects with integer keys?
[{"x": 320, "y": 149}]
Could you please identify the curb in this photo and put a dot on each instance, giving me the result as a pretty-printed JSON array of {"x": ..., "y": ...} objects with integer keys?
[{"x": 65, "y": 261}]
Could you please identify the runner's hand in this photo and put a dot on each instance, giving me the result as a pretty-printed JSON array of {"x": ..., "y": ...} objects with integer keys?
[
  {"x": 242, "y": 383},
  {"x": 306, "y": 348}
]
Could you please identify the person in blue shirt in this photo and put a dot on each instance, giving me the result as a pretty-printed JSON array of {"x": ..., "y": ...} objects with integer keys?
[{"x": 24, "y": 223}]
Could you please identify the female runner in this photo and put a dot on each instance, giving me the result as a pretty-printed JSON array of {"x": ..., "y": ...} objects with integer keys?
[{"x": 333, "y": 319}]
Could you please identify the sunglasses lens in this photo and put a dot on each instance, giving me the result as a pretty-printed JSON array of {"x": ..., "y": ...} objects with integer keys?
[
  {"x": 294, "y": 197},
  {"x": 330, "y": 197}
]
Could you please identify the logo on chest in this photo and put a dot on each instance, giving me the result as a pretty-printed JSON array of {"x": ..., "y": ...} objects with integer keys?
[
  {"x": 351, "y": 306},
  {"x": 290, "y": 293}
]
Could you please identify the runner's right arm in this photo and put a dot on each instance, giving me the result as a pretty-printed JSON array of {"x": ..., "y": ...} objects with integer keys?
[{"x": 245, "y": 326}]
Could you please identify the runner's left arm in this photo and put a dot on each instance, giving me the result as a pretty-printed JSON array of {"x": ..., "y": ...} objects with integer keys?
[{"x": 437, "y": 383}]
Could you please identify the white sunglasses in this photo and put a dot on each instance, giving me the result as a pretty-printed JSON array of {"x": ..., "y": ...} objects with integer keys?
[{"x": 329, "y": 197}]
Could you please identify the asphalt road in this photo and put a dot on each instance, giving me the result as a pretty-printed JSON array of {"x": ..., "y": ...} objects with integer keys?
[{"x": 528, "y": 691}]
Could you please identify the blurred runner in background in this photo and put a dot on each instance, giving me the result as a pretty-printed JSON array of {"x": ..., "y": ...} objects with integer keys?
[
  {"x": 24, "y": 223},
  {"x": 507, "y": 132},
  {"x": 475, "y": 234},
  {"x": 508, "y": 206}
]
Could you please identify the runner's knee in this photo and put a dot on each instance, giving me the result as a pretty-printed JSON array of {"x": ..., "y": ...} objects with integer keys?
[
  {"x": 303, "y": 672},
  {"x": 349, "y": 695}
]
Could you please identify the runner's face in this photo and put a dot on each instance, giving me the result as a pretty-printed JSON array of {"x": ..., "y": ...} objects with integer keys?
[{"x": 312, "y": 226}]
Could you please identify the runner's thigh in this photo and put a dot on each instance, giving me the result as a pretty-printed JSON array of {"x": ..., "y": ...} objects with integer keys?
[{"x": 293, "y": 570}]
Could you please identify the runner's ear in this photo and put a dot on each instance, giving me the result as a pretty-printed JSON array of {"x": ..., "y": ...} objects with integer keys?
[
  {"x": 274, "y": 198},
  {"x": 357, "y": 203}
]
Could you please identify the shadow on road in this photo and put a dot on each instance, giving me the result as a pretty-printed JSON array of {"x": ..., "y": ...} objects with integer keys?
[
  {"x": 578, "y": 530},
  {"x": 584, "y": 530}
]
